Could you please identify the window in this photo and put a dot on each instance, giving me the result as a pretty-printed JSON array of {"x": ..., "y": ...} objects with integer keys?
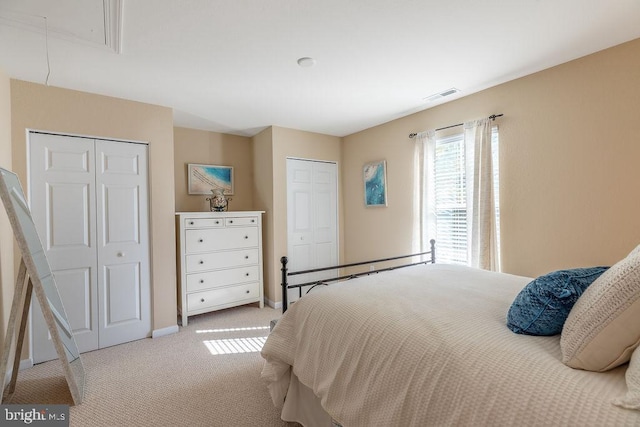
[{"x": 450, "y": 198}]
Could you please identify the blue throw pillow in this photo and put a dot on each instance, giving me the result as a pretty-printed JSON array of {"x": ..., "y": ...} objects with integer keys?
[{"x": 542, "y": 307}]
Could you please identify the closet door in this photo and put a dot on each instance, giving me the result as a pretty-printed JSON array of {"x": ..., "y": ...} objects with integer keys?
[
  {"x": 123, "y": 244},
  {"x": 312, "y": 218},
  {"x": 89, "y": 202},
  {"x": 62, "y": 199}
]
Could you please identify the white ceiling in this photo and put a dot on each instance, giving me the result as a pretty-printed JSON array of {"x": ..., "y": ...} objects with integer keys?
[{"x": 230, "y": 65}]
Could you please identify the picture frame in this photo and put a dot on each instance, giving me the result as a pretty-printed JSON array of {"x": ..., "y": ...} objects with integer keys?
[
  {"x": 204, "y": 178},
  {"x": 375, "y": 184}
]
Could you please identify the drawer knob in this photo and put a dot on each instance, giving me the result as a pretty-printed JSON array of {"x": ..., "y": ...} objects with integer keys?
[
  {"x": 201, "y": 281},
  {"x": 246, "y": 257},
  {"x": 200, "y": 240},
  {"x": 230, "y": 221},
  {"x": 246, "y": 237},
  {"x": 253, "y": 220},
  {"x": 246, "y": 274},
  {"x": 217, "y": 222},
  {"x": 190, "y": 222},
  {"x": 201, "y": 299},
  {"x": 247, "y": 291},
  {"x": 201, "y": 262}
]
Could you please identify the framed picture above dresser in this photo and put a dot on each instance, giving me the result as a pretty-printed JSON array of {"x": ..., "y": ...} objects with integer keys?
[{"x": 219, "y": 261}]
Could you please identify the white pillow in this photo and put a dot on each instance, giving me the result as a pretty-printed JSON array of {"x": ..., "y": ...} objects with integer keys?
[
  {"x": 603, "y": 327},
  {"x": 632, "y": 399}
]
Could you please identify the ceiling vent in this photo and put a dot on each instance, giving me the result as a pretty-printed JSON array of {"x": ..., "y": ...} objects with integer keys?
[{"x": 441, "y": 95}]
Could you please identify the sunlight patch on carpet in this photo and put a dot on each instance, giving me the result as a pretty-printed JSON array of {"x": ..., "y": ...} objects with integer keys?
[
  {"x": 251, "y": 328},
  {"x": 235, "y": 345}
]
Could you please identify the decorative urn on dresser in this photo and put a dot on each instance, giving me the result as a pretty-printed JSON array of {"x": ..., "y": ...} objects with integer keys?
[
  {"x": 219, "y": 261},
  {"x": 218, "y": 202}
]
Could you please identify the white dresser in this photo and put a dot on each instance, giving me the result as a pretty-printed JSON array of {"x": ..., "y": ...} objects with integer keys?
[{"x": 219, "y": 261}]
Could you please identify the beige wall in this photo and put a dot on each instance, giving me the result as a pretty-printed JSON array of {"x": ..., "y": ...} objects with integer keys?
[
  {"x": 378, "y": 232},
  {"x": 277, "y": 143},
  {"x": 34, "y": 106},
  {"x": 568, "y": 158},
  {"x": 198, "y": 146},
  {"x": 6, "y": 234},
  {"x": 262, "y": 145}
]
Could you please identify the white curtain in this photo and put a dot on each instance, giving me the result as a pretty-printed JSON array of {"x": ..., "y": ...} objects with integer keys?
[
  {"x": 482, "y": 225},
  {"x": 424, "y": 201}
]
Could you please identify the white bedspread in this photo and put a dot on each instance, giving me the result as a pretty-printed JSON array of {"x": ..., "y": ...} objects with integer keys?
[{"x": 428, "y": 346}]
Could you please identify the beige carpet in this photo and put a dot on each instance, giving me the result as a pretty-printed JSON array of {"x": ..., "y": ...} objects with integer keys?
[{"x": 208, "y": 374}]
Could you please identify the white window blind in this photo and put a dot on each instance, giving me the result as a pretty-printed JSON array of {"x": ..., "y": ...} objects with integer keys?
[
  {"x": 450, "y": 200},
  {"x": 450, "y": 197}
]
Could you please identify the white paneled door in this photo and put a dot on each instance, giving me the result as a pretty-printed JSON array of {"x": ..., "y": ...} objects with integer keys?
[
  {"x": 89, "y": 200},
  {"x": 312, "y": 217}
]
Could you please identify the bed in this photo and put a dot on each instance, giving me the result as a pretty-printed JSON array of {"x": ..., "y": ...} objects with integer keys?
[{"x": 427, "y": 345}]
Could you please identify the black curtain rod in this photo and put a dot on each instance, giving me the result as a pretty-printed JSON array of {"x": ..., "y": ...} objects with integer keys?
[{"x": 492, "y": 117}]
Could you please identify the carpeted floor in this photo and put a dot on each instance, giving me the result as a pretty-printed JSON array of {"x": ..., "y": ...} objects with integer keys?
[{"x": 208, "y": 374}]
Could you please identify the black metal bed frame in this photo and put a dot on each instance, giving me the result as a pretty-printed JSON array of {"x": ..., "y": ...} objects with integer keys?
[{"x": 285, "y": 273}]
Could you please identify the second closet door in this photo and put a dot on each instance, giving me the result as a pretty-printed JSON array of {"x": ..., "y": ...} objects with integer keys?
[
  {"x": 312, "y": 218},
  {"x": 123, "y": 244}
]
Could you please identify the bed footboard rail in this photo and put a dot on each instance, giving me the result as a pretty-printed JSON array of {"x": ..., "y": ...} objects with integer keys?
[{"x": 285, "y": 273}]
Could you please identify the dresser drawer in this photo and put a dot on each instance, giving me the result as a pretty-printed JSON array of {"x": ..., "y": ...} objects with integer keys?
[
  {"x": 203, "y": 222},
  {"x": 239, "y": 222},
  {"x": 216, "y": 279},
  {"x": 214, "y": 260},
  {"x": 211, "y": 298},
  {"x": 215, "y": 239}
]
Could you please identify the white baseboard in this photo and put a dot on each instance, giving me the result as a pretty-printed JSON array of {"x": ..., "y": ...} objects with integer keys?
[
  {"x": 157, "y": 333},
  {"x": 26, "y": 364},
  {"x": 272, "y": 304}
]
